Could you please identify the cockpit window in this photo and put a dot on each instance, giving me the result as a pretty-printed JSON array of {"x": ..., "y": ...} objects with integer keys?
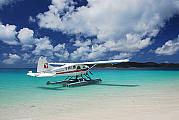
[
  {"x": 74, "y": 67},
  {"x": 70, "y": 67},
  {"x": 78, "y": 67}
]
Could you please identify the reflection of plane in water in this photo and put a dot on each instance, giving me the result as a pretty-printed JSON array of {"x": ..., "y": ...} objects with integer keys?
[{"x": 77, "y": 73}]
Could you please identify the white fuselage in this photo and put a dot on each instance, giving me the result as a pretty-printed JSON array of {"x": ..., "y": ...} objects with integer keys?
[{"x": 72, "y": 70}]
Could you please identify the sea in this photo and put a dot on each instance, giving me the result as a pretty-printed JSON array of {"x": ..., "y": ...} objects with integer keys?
[{"x": 18, "y": 90}]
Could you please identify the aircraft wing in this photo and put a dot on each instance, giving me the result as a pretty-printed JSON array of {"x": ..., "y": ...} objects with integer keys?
[
  {"x": 103, "y": 62},
  {"x": 87, "y": 63}
]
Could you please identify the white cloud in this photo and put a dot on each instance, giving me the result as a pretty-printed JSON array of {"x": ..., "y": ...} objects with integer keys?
[
  {"x": 62, "y": 55},
  {"x": 26, "y": 56},
  {"x": 96, "y": 52},
  {"x": 80, "y": 53},
  {"x": 59, "y": 47},
  {"x": 51, "y": 18},
  {"x": 5, "y": 2},
  {"x": 12, "y": 58},
  {"x": 8, "y": 34},
  {"x": 89, "y": 53},
  {"x": 43, "y": 47},
  {"x": 121, "y": 56},
  {"x": 29, "y": 58},
  {"x": 31, "y": 19},
  {"x": 61, "y": 52},
  {"x": 25, "y": 36},
  {"x": 131, "y": 43},
  {"x": 2, "y": 2},
  {"x": 4, "y": 54},
  {"x": 123, "y": 26},
  {"x": 143, "y": 16},
  {"x": 169, "y": 48},
  {"x": 79, "y": 43}
]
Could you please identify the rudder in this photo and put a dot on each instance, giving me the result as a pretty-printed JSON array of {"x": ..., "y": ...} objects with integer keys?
[{"x": 43, "y": 65}]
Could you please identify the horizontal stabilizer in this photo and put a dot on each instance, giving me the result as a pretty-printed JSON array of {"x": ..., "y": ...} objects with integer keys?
[{"x": 41, "y": 74}]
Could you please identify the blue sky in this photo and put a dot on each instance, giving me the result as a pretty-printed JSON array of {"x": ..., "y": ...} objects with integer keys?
[{"x": 88, "y": 30}]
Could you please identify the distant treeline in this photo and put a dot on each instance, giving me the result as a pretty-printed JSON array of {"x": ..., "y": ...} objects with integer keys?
[{"x": 135, "y": 64}]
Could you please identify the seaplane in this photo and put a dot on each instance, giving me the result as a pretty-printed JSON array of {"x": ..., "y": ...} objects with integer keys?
[{"x": 77, "y": 74}]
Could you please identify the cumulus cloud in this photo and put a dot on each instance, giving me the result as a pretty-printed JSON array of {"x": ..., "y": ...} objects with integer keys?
[
  {"x": 12, "y": 58},
  {"x": 26, "y": 57},
  {"x": 88, "y": 50},
  {"x": 29, "y": 58},
  {"x": 2, "y": 2},
  {"x": 122, "y": 56},
  {"x": 79, "y": 43},
  {"x": 80, "y": 53},
  {"x": 62, "y": 55},
  {"x": 123, "y": 26},
  {"x": 61, "y": 52},
  {"x": 169, "y": 48},
  {"x": 96, "y": 52},
  {"x": 133, "y": 43},
  {"x": 5, "y": 2},
  {"x": 89, "y": 53},
  {"x": 59, "y": 47},
  {"x": 43, "y": 47},
  {"x": 39, "y": 46},
  {"x": 31, "y": 19},
  {"x": 8, "y": 34},
  {"x": 4, "y": 54},
  {"x": 51, "y": 19},
  {"x": 25, "y": 35}
]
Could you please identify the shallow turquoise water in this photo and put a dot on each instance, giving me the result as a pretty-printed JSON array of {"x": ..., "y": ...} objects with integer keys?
[{"x": 17, "y": 88}]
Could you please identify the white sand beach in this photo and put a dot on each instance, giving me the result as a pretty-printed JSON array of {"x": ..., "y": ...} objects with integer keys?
[{"x": 157, "y": 103}]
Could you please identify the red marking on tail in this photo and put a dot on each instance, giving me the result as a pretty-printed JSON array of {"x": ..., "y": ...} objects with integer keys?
[{"x": 46, "y": 65}]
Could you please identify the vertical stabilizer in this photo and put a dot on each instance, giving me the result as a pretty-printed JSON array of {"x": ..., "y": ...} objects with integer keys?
[{"x": 43, "y": 65}]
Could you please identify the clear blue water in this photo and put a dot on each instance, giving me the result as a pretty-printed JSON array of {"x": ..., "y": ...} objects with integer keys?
[{"x": 17, "y": 88}]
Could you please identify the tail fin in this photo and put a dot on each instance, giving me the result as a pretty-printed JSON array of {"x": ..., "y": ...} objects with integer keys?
[{"x": 43, "y": 65}]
